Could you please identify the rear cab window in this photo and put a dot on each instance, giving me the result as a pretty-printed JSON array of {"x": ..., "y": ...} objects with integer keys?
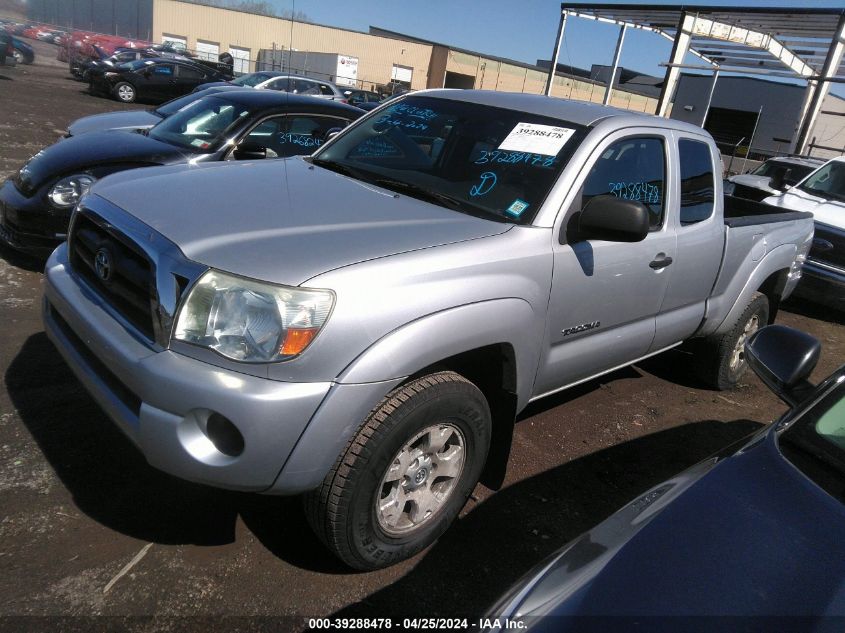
[{"x": 697, "y": 184}]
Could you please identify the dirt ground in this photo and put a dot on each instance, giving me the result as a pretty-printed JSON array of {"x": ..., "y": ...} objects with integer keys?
[{"x": 78, "y": 502}]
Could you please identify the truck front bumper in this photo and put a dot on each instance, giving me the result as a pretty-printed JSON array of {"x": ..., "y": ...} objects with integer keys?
[{"x": 169, "y": 405}]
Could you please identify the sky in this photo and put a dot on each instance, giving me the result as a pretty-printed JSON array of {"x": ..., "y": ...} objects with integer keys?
[{"x": 523, "y": 30}]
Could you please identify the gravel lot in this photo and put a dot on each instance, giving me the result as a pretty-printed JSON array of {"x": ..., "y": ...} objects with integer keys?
[{"x": 78, "y": 502}]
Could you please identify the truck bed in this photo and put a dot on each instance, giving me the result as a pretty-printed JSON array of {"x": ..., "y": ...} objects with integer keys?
[{"x": 743, "y": 212}]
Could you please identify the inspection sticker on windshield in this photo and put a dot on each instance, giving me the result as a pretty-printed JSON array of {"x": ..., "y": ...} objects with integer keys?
[
  {"x": 198, "y": 142},
  {"x": 539, "y": 139},
  {"x": 516, "y": 208}
]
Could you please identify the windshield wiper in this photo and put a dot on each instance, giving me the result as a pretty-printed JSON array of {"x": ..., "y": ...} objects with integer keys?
[
  {"x": 421, "y": 193},
  {"x": 417, "y": 191},
  {"x": 340, "y": 168}
]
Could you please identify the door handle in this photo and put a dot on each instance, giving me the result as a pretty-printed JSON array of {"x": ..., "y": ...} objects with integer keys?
[{"x": 660, "y": 262}]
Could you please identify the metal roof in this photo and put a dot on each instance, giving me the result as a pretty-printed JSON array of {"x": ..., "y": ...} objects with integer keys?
[{"x": 788, "y": 42}]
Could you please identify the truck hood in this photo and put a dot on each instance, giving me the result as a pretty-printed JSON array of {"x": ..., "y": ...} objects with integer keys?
[
  {"x": 830, "y": 212},
  {"x": 283, "y": 221},
  {"x": 92, "y": 150},
  {"x": 120, "y": 120}
]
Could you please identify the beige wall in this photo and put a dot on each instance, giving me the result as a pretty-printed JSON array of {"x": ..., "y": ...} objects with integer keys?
[
  {"x": 491, "y": 74},
  {"x": 829, "y": 129},
  {"x": 376, "y": 55}
]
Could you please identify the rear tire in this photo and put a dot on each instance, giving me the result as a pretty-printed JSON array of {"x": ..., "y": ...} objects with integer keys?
[
  {"x": 721, "y": 359},
  {"x": 125, "y": 92},
  {"x": 406, "y": 474}
]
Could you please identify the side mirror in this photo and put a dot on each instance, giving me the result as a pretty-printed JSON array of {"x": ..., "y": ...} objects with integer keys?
[
  {"x": 250, "y": 151},
  {"x": 783, "y": 358},
  {"x": 779, "y": 176},
  {"x": 613, "y": 219}
]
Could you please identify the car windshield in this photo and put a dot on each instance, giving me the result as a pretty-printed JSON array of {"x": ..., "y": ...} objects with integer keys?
[
  {"x": 827, "y": 182},
  {"x": 492, "y": 162},
  {"x": 796, "y": 172},
  {"x": 252, "y": 80},
  {"x": 201, "y": 126},
  {"x": 174, "y": 105},
  {"x": 815, "y": 443}
]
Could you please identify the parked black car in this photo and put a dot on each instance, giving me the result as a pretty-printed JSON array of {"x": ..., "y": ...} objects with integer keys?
[
  {"x": 23, "y": 52},
  {"x": 7, "y": 50},
  {"x": 154, "y": 80},
  {"x": 748, "y": 540},
  {"x": 134, "y": 120},
  {"x": 36, "y": 203}
]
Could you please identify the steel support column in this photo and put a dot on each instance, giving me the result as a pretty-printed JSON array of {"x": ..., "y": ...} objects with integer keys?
[
  {"x": 680, "y": 47},
  {"x": 831, "y": 66},
  {"x": 556, "y": 53},
  {"x": 710, "y": 97},
  {"x": 614, "y": 66}
]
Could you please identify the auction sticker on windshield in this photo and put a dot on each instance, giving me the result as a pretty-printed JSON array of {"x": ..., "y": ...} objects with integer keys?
[{"x": 539, "y": 139}]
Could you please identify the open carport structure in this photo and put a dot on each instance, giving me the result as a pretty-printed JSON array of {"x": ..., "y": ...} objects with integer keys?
[{"x": 804, "y": 44}]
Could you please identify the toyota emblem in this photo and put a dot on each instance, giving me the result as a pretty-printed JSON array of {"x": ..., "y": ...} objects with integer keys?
[{"x": 103, "y": 264}]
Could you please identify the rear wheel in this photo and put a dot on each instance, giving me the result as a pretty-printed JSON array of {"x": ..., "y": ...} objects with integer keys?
[
  {"x": 125, "y": 92},
  {"x": 721, "y": 360},
  {"x": 407, "y": 473}
]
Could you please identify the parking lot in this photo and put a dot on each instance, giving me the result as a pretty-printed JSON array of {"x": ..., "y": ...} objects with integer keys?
[{"x": 79, "y": 502}]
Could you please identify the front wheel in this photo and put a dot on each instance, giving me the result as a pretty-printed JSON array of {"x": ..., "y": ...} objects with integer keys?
[
  {"x": 125, "y": 92},
  {"x": 404, "y": 477}
]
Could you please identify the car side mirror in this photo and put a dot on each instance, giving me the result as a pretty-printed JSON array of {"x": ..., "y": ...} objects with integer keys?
[
  {"x": 332, "y": 132},
  {"x": 613, "y": 219},
  {"x": 250, "y": 151},
  {"x": 783, "y": 358},
  {"x": 779, "y": 176}
]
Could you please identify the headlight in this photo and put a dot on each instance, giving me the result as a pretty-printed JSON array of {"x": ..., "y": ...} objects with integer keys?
[
  {"x": 251, "y": 321},
  {"x": 67, "y": 192}
]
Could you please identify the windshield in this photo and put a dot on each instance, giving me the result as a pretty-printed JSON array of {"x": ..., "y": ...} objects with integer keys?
[
  {"x": 252, "y": 80},
  {"x": 473, "y": 158},
  {"x": 201, "y": 126},
  {"x": 827, "y": 182},
  {"x": 796, "y": 172},
  {"x": 815, "y": 443},
  {"x": 174, "y": 105}
]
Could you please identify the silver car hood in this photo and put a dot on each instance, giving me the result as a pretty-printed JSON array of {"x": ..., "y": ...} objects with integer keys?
[{"x": 283, "y": 221}]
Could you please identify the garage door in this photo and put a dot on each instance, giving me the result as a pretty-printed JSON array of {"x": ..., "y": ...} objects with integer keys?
[
  {"x": 208, "y": 50},
  {"x": 241, "y": 59}
]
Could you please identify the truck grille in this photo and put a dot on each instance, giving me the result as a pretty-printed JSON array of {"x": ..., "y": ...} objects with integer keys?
[{"x": 116, "y": 268}]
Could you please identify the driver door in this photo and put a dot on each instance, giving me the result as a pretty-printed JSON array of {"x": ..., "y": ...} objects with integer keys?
[{"x": 605, "y": 295}]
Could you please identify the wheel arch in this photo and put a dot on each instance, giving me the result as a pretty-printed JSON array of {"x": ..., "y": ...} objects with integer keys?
[{"x": 498, "y": 354}]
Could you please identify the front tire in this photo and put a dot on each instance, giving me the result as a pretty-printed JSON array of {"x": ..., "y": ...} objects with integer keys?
[
  {"x": 721, "y": 361},
  {"x": 404, "y": 477},
  {"x": 125, "y": 92}
]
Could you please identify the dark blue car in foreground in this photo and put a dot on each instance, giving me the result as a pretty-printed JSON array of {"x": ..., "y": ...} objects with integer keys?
[{"x": 751, "y": 540}]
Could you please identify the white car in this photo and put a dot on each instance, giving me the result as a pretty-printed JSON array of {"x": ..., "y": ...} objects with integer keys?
[
  {"x": 296, "y": 84},
  {"x": 823, "y": 194},
  {"x": 757, "y": 184}
]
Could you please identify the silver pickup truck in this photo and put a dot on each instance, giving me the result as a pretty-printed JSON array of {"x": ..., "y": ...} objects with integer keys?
[{"x": 364, "y": 325}]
